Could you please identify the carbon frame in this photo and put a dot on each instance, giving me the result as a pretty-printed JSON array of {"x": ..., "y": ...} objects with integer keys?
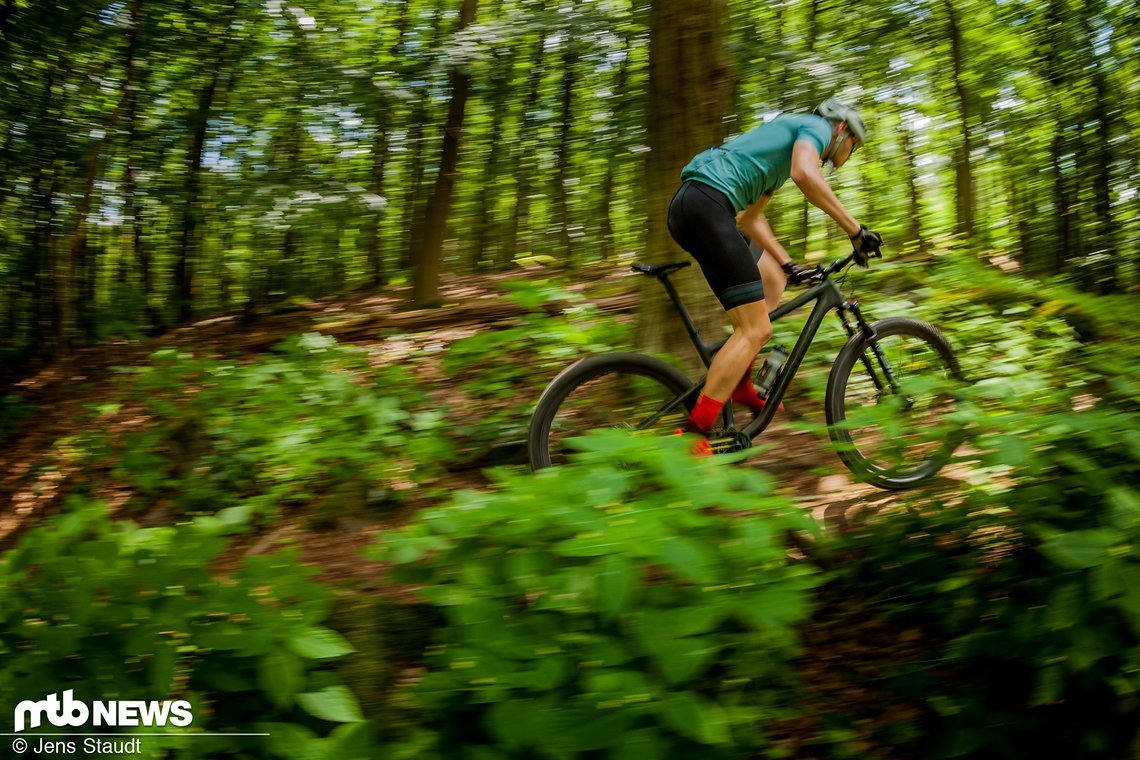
[{"x": 827, "y": 296}]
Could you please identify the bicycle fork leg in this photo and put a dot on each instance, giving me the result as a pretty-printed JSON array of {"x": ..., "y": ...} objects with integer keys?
[{"x": 865, "y": 329}]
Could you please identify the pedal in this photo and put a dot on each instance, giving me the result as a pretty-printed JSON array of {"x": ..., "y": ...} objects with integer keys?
[{"x": 726, "y": 440}]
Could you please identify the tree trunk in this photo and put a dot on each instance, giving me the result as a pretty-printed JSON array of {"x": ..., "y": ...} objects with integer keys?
[
  {"x": 67, "y": 275},
  {"x": 1064, "y": 243},
  {"x": 524, "y": 165},
  {"x": 1018, "y": 211},
  {"x": 690, "y": 91},
  {"x": 291, "y": 264},
  {"x": 371, "y": 230},
  {"x": 384, "y": 110},
  {"x": 481, "y": 255},
  {"x": 963, "y": 173},
  {"x": 813, "y": 98},
  {"x": 608, "y": 212},
  {"x": 562, "y": 168},
  {"x": 38, "y": 266},
  {"x": 414, "y": 205},
  {"x": 190, "y": 242},
  {"x": 135, "y": 250},
  {"x": 914, "y": 222},
  {"x": 1100, "y": 113},
  {"x": 425, "y": 289}
]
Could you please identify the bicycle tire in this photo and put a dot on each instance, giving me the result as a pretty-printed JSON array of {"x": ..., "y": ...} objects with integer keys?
[
  {"x": 836, "y": 407},
  {"x": 550, "y": 403}
]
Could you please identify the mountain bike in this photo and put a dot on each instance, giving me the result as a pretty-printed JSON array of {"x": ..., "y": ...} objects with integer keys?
[{"x": 889, "y": 404}]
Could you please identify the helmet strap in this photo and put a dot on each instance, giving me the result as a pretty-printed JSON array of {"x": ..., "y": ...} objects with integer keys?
[
  {"x": 836, "y": 140},
  {"x": 827, "y": 156}
]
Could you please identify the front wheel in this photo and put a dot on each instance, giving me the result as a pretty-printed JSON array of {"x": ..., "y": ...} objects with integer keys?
[
  {"x": 628, "y": 391},
  {"x": 890, "y": 403}
]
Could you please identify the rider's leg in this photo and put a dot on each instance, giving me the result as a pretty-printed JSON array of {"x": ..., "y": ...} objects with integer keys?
[
  {"x": 702, "y": 220},
  {"x": 775, "y": 281},
  {"x": 751, "y": 330}
]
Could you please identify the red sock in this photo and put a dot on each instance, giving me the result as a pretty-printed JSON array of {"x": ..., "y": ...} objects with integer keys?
[
  {"x": 745, "y": 392},
  {"x": 704, "y": 414}
]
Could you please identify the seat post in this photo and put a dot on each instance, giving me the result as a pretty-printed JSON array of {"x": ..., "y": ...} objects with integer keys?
[{"x": 690, "y": 325}]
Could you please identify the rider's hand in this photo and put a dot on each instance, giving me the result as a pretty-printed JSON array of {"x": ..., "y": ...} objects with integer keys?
[
  {"x": 799, "y": 273},
  {"x": 866, "y": 244}
]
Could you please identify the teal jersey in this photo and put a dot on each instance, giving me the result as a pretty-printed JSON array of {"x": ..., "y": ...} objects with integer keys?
[{"x": 759, "y": 161}]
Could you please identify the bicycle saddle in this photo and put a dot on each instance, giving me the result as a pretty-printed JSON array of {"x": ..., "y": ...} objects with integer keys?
[{"x": 659, "y": 270}]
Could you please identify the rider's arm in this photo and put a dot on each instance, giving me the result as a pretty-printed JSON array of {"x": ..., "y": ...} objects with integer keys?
[
  {"x": 809, "y": 179},
  {"x": 755, "y": 225}
]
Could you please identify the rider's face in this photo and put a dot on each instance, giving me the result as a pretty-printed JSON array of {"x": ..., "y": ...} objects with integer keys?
[{"x": 844, "y": 147}]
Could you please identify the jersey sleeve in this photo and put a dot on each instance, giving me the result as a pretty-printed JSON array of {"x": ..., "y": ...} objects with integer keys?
[{"x": 815, "y": 133}]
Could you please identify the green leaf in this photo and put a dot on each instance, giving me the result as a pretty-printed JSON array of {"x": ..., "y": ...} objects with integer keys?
[
  {"x": 162, "y": 668},
  {"x": 550, "y": 673},
  {"x": 518, "y": 723},
  {"x": 682, "y": 660},
  {"x": 616, "y": 582},
  {"x": 1108, "y": 580},
  {"x": 1012, "y": 450},
  {"x": 696, "y": 718},
  {"x": 1080, "y": 549},
  {"x": 1050, "y": 684},
  {"x": 333, "y": 703},
  {"x": 1125, "y": 504},
  {"x": 646, "y": 744},
  {"x": 606, "y": 730},
  {"x": 352, "y": 741},
  {"x": 318, "y": 643},
  {"x": 291, "y": 741},
  {"x": 1065, "y": 606},
  {"x": 280, "y": 675},
  {"x": 774, "y": 608},
  {"x": 690, "y": 560}
]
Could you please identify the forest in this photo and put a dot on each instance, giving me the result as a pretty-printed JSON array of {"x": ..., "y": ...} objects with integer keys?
[{"x": 282, "y": 283}]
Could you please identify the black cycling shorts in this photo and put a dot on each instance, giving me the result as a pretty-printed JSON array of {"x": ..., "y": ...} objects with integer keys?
[{"x": 703, "y": 221}]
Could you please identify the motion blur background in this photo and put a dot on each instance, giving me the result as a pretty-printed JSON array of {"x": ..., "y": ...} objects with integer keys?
[
  {"x": 161, "y": 160},
  {"x": 237, "y": 469}
]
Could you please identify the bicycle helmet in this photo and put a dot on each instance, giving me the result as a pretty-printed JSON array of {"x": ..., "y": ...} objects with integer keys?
[{"x": 835, "y": 110}]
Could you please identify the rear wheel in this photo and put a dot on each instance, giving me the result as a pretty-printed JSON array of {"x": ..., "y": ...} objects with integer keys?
[
  {"x": 628, "y": 391},
  {"x": 891, "y": 401}
]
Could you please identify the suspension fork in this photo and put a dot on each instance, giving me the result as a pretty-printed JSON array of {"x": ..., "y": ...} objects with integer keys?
[{"x": 868, "y": 333}]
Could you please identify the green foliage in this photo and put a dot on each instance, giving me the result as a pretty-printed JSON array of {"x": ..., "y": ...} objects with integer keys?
[
  {"x": 14, "y": 411},
  {"x": 1031, "y": 592},
  {"x": 502, "y": 372},
  {"x": 121, "y": 612},
  {"x": 638, "y": 601},
  {"x": 312, "y": 421}
]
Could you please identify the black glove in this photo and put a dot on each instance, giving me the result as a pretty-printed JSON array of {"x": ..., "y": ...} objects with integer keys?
[
  {"x": 866, "y": 245},
  {"x": 799, "y": 273}
]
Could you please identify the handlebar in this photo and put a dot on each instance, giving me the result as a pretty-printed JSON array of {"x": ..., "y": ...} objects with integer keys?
[{"x": 841, "y": 263}]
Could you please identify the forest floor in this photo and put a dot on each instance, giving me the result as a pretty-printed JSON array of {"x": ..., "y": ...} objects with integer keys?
[
  {"x": 34, "y": 475},
  {"x": 37, "y": 471}
]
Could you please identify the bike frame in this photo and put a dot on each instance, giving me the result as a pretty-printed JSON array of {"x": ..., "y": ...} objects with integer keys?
[{"x": 827, "y": 296}]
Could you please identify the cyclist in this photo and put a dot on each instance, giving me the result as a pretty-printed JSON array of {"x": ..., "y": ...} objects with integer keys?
[{"x": 731, "y": 184}]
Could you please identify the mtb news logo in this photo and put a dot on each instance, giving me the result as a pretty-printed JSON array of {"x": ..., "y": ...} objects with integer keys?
[{"x": 72, "y": 712}]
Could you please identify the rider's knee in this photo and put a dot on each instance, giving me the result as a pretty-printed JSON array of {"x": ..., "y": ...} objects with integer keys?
[{"x": 757, "y": 334}]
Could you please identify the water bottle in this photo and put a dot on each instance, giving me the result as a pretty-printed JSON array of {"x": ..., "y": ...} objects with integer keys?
[{"x": 766, "y": 377}]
